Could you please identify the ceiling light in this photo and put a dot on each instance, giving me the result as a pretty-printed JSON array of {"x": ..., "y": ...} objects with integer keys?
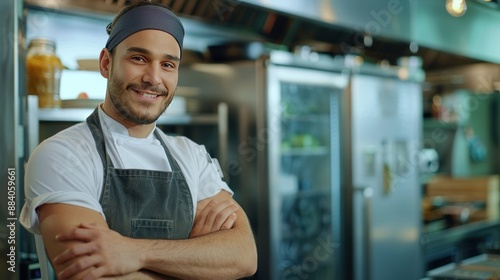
[{"x": 456, "y": 8}]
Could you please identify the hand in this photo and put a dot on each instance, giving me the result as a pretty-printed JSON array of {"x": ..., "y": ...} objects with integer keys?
[
  {"x": 215, "y": 216},
  {"x": 109, "y": 252}
]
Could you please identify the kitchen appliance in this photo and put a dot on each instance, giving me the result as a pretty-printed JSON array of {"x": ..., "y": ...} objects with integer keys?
[
  {"x": 323, "y": 157},
  {"x": 386, "y": 136}
]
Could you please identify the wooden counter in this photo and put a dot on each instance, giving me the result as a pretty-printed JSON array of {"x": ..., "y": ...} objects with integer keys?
[{"x": 469, "y": 191}]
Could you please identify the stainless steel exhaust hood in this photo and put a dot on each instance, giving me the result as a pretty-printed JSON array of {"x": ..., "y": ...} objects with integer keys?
[
  {"x": 385, "y": 18},
  {"x": 377, "y": 29},
  {"x": 424, "y": 22}
]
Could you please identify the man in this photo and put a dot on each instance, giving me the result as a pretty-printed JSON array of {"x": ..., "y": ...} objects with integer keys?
[{"x": 114, "y": 197}]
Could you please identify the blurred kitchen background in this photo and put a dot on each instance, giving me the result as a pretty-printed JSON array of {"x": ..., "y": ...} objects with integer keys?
[{"x": 361, "y": 137}]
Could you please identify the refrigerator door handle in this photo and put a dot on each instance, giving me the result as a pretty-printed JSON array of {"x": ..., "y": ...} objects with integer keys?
[{"x": 367, "y": 196}]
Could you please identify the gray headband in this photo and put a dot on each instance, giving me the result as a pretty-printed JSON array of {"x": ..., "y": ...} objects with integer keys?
[{"x": 145, "y": 17}]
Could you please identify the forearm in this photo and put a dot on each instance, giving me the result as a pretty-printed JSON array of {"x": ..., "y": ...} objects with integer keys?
[
  {"x": 225, "y": 254},
  {"x": 55, "y": 219},
  {"x": 144, "y": 275},
  {"x": 93, "y": 250}
]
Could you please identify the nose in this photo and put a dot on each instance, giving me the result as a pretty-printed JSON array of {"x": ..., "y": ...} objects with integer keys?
[{"x": 152, "y": 75}]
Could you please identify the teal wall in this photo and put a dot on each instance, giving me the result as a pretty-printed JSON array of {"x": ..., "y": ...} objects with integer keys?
[{"x": 481, "y": 122}]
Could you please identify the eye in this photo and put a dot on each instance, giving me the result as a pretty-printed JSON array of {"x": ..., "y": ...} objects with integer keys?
[
  {"x": 138, "y": 58},
  {"x": 168, "y": 65}
]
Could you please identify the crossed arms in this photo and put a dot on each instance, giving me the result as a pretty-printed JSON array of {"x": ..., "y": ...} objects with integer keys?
[{"x": 81, "y": 246}]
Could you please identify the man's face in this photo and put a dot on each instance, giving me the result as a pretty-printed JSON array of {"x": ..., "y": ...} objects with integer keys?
[{"x": 142, "y": 76}]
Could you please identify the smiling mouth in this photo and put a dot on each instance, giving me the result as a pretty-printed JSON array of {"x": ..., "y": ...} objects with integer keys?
[{"x": 148, "y": 95}]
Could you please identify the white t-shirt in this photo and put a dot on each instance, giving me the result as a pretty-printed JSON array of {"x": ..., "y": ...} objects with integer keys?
[{"x": 67, "y": 168}]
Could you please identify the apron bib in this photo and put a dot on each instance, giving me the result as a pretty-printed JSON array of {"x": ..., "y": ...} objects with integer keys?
[{"x": 146, "y": 204}]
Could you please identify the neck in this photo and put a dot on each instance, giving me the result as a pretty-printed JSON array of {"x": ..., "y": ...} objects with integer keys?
[
  {"x": 134, "y": 130},
  {"x": 140, "y": 131}
]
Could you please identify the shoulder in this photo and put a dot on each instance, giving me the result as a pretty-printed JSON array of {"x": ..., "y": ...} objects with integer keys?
[
  {"x": 75, "y": 140},
  {"x": 71, "y": 151}
]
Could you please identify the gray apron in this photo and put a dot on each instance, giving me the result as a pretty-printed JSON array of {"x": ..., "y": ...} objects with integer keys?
[{"x": 144, "y": 204}]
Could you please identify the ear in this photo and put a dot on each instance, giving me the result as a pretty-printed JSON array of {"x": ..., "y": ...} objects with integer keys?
[{"x": 105, "y": 62}]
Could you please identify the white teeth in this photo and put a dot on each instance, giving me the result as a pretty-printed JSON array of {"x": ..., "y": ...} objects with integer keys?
[{"x": 149, "y": 95}]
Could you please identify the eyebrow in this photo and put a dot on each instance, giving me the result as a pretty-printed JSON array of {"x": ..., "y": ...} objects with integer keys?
[{"x": 145, "y": 51}]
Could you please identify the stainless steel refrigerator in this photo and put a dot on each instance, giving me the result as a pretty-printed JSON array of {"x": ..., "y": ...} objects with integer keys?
[
  {"x": 302, "y": 185},
  {"x": 322, "y": 157},
  {"x": 386, "y": 139}
]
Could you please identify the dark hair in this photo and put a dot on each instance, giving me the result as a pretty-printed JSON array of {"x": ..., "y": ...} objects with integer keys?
[{"x": 130, "y": 7}]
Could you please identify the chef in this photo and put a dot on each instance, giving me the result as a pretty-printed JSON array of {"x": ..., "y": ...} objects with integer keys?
[{"x": 115, "y": 196}]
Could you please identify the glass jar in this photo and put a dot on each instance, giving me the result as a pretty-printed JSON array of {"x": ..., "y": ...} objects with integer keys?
[{"x": 44, "y": 72}]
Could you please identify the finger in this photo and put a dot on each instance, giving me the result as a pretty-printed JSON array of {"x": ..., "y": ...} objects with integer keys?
[
  {"x": 217, "y": 209},
  {"x": 92, "y": 226},
  {"x": 96, "y": 274},
  {"x": 79, "y": 234},
  {"x": 205, "y": 219},
  {"x": 74, "y": 252},
  {"x": 229, "y": 223},
  {"x": 213, "y": 216},
  {"x": 205, "y": 213},
  {"x": 222, "y": 216},
  {"x": 208, "y": 216},
  {"x": 79, "y": 266},
  {"x": 199, "y": 230},
  {"x": 199, "y": 224}
]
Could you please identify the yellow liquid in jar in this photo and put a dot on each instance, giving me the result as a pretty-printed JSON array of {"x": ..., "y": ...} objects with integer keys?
[{"x": 43, "y": 76}]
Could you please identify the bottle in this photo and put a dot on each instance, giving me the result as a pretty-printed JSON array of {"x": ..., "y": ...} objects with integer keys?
[{"x": 44, "y": 70}]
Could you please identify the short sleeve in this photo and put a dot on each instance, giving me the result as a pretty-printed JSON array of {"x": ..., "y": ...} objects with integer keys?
[
  {"x": 210, "y": 180},
  {"x": 62, "y": 169}
]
